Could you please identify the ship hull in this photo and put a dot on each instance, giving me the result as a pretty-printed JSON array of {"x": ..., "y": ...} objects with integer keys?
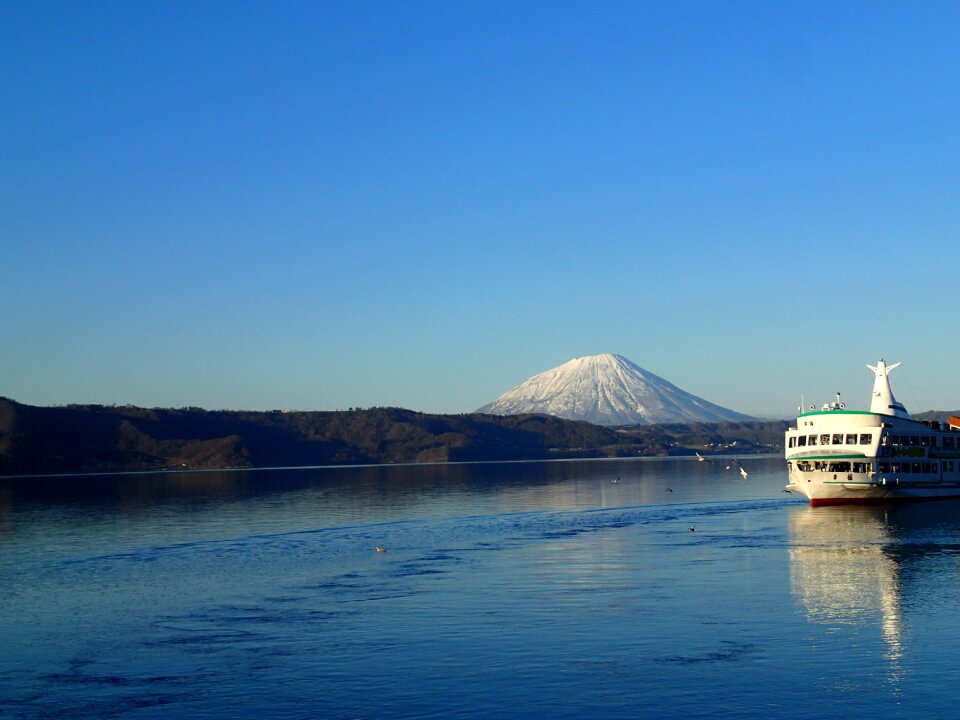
[{"x": 821, "y": 494}]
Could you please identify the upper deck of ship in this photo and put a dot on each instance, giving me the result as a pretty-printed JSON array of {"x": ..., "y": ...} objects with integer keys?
[{"x": 834, "y": 429}]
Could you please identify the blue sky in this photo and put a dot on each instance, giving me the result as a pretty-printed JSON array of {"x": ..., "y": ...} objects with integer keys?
[{"x": 331, "y": 205}]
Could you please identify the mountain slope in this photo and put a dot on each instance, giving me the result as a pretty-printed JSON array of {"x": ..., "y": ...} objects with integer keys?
[{"x": 607, "y": 390}]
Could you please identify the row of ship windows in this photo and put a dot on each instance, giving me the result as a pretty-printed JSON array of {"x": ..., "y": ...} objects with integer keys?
[
  {"x": 835, "y": 466},
  {"x": 906, "y": 468},
  {"x": 917, "y": 441},
  {"x": 867, "y": 438},
  {"x": 902, "y": 468},
  {"x": 825, "y": 439}
]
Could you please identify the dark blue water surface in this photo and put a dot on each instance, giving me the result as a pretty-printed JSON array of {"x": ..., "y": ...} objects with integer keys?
[{"x": 525, "y": 589}]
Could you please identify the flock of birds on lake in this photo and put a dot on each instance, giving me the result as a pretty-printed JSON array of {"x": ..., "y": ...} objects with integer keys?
[{"x": 700, "y": 458}]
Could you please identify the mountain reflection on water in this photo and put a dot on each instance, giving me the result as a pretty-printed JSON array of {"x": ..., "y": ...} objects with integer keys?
[
  {"x": 876, "y": 565},
  {"x": 140, "y": 508}
]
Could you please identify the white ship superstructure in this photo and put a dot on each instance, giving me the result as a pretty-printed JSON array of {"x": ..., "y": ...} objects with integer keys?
[{"x": 835, "y": 455}]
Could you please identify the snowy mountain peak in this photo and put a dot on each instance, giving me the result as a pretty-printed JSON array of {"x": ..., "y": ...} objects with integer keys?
[{"x": 607, "y": 389}]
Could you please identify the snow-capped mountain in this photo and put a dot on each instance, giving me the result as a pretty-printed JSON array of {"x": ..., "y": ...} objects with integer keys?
[{"x": 607, "y": 390}]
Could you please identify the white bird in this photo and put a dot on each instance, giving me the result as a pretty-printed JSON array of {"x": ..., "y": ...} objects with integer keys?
[
  {"x": 701, "y": 458},
  {"x": 743, "y": 472},
  {"x": 616, "y": 481},
  {"x": 380, "y": 548}
]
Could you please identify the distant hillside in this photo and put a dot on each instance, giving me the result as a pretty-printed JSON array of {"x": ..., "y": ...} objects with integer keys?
[
  {"x": 95, "y": 438},
  {"x": 938, "y": 415}
]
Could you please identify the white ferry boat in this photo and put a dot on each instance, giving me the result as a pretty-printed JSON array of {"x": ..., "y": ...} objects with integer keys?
[{"x": 837, "y": 456}]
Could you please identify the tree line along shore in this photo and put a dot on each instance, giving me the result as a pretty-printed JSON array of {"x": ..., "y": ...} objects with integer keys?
[{"x": 98, "y": 438}]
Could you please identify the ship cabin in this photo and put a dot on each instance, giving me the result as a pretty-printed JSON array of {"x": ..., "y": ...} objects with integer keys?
[{"x": 858, "y": 447}]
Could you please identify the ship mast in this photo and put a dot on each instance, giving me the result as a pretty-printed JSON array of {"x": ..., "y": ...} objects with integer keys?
[{"x": 883, "y": 401}]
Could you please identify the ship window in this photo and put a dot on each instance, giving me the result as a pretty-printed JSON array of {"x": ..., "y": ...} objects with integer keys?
[
  {"x": 838, "y": 439},
  {"x": 925, "y": 468},
  {"x": 812, "y": 440},
  {"x": 792, "y": 442},
  {"x": 905, "y": 468},
  {"x": 924, "y": 441},
  {"x": 866, "y": 438},
  {"x": 948, "y": 442},
  {"x": 915, "y": 440},
  {"x": 851, "y": 439},
  {"x": 802, "y": 441},
  {"x": 860, "y": 467},
  {"x": 884, "y": 467},
  {"x": 839, "y": 467},
  {"x": 803, "y": 466},
  {"x": 895, "y": 439},
  {"x": 825, "y": 439}
]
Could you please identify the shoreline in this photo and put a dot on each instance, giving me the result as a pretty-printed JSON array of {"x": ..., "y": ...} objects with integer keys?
[{"x": 169, "y": 471}]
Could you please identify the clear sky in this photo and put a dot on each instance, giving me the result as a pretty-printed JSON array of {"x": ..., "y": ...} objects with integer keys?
[{"x": 325, "y": 205}]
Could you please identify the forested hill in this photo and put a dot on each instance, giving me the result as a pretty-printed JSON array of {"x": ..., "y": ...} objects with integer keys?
[{"x": 95, "y": 438}]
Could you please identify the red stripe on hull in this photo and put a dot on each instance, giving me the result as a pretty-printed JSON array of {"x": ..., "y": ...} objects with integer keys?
[{"x": 822, "y": 502}]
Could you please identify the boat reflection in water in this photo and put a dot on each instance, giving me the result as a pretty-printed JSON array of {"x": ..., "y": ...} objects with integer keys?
[{"x": 876, "y": 566}]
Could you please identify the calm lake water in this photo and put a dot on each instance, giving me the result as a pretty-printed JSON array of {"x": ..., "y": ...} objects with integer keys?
[{"x": 520, "y": 589}]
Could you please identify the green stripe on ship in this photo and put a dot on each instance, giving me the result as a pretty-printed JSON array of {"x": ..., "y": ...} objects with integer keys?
[
  {"x": 857, "y": 456},
  {"x": 836, "y": 412}
]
